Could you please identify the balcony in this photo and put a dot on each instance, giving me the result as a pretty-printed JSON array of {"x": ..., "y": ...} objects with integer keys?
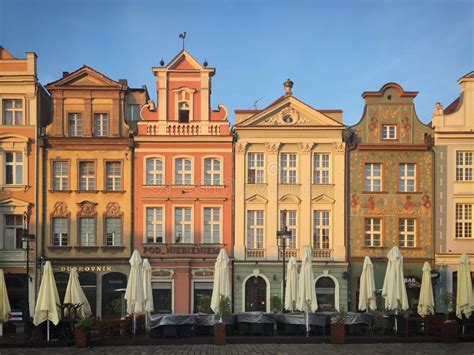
[
  {"x": 288, "y": 253},
  {"x": 255, "y": 254},
  {"x": 323, "y": 255},
  {"x": 183, "y": 129}
]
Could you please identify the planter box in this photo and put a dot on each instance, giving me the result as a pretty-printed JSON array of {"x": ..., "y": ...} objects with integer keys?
[
  {"x": 219, "y": 333},
  {"x": 82, "y": 338},
  {"x": 338, "y": 333}
]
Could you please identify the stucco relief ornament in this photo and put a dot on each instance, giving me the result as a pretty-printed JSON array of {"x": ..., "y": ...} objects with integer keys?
[
  {"x": 305, "y": 147},
  {"x": 438, "y": 110},
  {"x": 271, "y": 147},
  {"x": 60, "y": 209},
  {"x": 339, "y": 147},
  {"x": 113, "y": 209},
  {"x": 87, "y": 208},
  {"x": 240, "y": 147}
]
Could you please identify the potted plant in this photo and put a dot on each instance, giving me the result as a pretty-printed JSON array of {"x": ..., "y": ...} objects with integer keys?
[
  {"x": 204, "y": 305},
  {"x": 449, "y": 302},
  {"x": 83, "y": 332},
  {"x": 219, "y": 327},
  {"x": 338, "y": 327},
  {"x": 275, "y": 304},
  {"x": 449, "y": 328}
]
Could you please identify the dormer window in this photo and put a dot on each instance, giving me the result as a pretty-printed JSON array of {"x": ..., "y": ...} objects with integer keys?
[
  {"x": 184, "y": 101},
  {"x": 183, "y": 112}
]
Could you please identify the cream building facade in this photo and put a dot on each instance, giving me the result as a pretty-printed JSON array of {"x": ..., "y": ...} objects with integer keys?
[{"x": 289, "y": 159}]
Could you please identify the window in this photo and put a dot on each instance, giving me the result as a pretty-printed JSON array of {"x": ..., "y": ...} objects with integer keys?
[
  {"x": 86, "y": 176},
  {"x": 406, "y": 235},
  {"x": 75, "y": 124},
  {"x": 13, "y": 168},
  {"x": 60, "y": 232},
  {"x": 290, "y": 222},
  {"x": 373, "y": 177},
  {"x": 12, "y": 112},
  {"x": 87, "y": 232},
  {"x": 321, "y": 229},
  {"x": 13, "y": 231},
  {"x": 255, "y": 229},
  {"x": 373, "y": 232},
  {"x": 183, "y": 169},
  {"x": 256, "y": 170},
  {"x": 162, "y": 297},
  {"x": 154, "y": 171},
  {"x": 464, "y": 220},
  {"x": 287, "y": 168},
  {"x": 212, "y": 225},
  {"x": 464, "y": 166},
  {"x": 113, "y": 232},
  {"x": 212, "y": 171},
  {"x": 133, "y": 112},
  {"x": 101, "y": 125},
  {"x": 321, "y": 168},
  {"x": 389, "y": 131},
  {"x": 113, "y": 171},
  {"x": 182, "y": 225},
  {"x": 154, "y": 225},
  {"x": 406, "y": 182},
  {"x": 60, "y": 175},
  {"x": 183, "y": 112},
  {"x": 326, "y": 294},
  {"x": 201, "y": 290}
]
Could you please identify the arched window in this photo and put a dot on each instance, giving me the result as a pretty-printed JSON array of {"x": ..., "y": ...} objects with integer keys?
[
  {"x": 62, "y": 278},
  {"x": 88, "y": 281},
  {"x": 111, "y": 298},
  {"x": 183, "y": 171},
  {"x": 255, "y": 294},
  {"x": 154, "y": 171},
  {"x": 212, "y": 171},
  {"x": 325, "y": 294},
  {"x": 183, "y": 112}
]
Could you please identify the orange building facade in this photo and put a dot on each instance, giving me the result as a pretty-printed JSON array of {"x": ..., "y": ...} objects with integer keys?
[{"x": 182, "y": 185}]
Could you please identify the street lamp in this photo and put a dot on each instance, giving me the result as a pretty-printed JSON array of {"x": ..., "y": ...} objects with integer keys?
[
  {"x": 283, "y": 237},
  {"x": 26, "y": 239}
]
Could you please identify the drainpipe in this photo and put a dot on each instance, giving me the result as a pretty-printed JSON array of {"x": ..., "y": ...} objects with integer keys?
[{"x": 233, "y": 222}]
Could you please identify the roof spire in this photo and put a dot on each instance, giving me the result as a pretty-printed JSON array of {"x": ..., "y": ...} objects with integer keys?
[{"x": 183, "y": 37}]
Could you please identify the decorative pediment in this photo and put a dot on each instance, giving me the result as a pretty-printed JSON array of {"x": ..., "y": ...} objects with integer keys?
[
  {"x": 14, "y": 202},
  {"x": 60, "y": 210},
  {"x": 84, "y": 77},
  {"x": 184, "y": 61},
  {"x": 256, "y": 199},
  {"x": 87, "y": 209},
  {"x": 290, "y": 199},
  {"x": 323, "y": 199},
  {"x": 113, "y": 210}
]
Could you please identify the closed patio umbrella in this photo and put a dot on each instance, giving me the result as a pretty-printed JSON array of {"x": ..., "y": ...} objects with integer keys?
[
  {"x": 4, "y": 302},
  {"x": 426, "y": 300},
  {"x": 75, "y": 294},
  {"x": 134, "y": 291},
  {"x": 47, "y": 308},
  {"x": 367, "y": 287},
  {"x": 221, "y": 280},
  {"x": 464, "y": 300},
  {"x": 291, "y": 288},
  {"x": 147, "y": 289},
  {"x": 306, "y": 289}
]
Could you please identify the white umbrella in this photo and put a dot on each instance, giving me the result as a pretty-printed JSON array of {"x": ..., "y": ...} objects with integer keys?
[
  {"x": 134, "y": 291},
  {"x": 464, "y": 300},
  {"x": 367, "y": 287},
  {"x": 291, "y": 288},
  {"x": 147, "y": 289},
  {"x": 75, "y": 294},
  {"x": 47, "y": 308},
  {"x": 426, "y": 300},
  {"x": 306, "y": 291},
  {"x": 221, "y": 285},
  {"x": 4, "y": 302}
]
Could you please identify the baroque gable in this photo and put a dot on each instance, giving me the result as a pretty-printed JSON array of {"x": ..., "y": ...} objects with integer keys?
[{"x": 84, "y": 77}]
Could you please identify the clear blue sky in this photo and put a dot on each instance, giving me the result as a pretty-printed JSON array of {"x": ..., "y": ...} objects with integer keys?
[{"x": 332, "y": 50}]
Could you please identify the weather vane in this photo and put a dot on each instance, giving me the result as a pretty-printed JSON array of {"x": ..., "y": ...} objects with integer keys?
[{"x": 183, "y": 37}]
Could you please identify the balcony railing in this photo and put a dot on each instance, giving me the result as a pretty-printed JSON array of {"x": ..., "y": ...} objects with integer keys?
[
  {"x": 183, "y": 129},
  {"x": 323, "y": 254},
  {"x": 288, "y": 253},
  {"x": 255, "y": 254}
]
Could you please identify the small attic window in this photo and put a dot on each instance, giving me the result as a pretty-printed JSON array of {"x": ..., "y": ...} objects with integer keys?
[
  {"x": 389, "y": 97},
  {"x": 183, "y": 112},
  {"x": 287, "y": 119}
]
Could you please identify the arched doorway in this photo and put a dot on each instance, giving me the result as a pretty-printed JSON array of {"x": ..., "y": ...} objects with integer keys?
[
  {"x": 62, "y": 278},
  {"x": 88, "y": 281},
  {"x": 255, "y": 294},
  {"x": 326, "y": 294},
  {"x": 111, "y": 299}
]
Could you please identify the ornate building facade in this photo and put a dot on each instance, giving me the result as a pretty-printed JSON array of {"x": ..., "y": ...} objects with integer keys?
[
  {"x": 390, "y": 188},
  {"x": 289, "y": 170},
  {"x": 454, "y": 184},
  {"x": 87, "y": 155},
  {"x": 183, "y": 185}
]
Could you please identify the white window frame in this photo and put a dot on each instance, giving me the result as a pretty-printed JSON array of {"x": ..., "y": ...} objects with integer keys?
[
  {"x": 404, "y": 234},
  {"x": 372, "y": 232},
  {"x": 389, "y": 131},
  {"x": 320, "y": 170},
  {"x": 60, "y": 236},
  {"x": 322, "y": 228},
  {"x": 255, "y": 228},
  {"x": 212, "y": 173},
  {"x": 62, "y": 177},
  {"x": 157, "y": 176},
  {"x": 14, "y": 165},
  {"x": 257, "y": 165},
  {"x": 214, "y": 225},
  {"x": 464, "y": 165},
  {"x": 115, "y": 179},
  {"x": 73, "y": 130},
  {"x": 88, "y": 177},
  {"x": 115, "y": 238},
  {"x": 14, "y": 227},
  {"x": 464, "y": 220},
  {"x": 14, "y": 110},
  {"x": 156, "y": 223},
  {"x": 288, "y": 168},
  {"x": 103, "y": 119},
  {"x": 292, "y": 225},
  {"x": 89, "y": 242},
  {"x": 404, "y": 178},
  {"x": 372, "y": 178},
  {"x": 183, "y": 223},
  {"x": 182, "y": 174}
]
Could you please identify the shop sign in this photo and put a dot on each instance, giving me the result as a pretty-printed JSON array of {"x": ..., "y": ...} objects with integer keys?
[
  {"x": 87, "y": 268},
  {"x": 167, "y": 249},
  {"x": 412, "y": 282}
]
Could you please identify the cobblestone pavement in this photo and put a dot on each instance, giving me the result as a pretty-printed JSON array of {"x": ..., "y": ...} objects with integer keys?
[{"x": 273, "y": 349}]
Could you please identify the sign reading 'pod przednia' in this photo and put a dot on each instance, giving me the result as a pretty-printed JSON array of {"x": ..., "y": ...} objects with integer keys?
[{"x": 172, "y": 249}]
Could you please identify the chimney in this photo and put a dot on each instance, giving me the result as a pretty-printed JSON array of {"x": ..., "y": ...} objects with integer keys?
[
  {"x": 123, "y": 82},
  {"x": 65, "y": 74}
]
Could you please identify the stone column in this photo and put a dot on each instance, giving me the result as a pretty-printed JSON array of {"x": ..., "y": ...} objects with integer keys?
[
  {"x": 271, "y": 218},
  {"x": 239, "y": 212},
  {"x": 162, "y": 88},
  {"x": 305, "y": 180}
]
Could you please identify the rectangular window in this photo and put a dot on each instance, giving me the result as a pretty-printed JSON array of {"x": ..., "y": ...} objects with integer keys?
[
  {"x": 212, "y": 225},
  {"x": 321, "y": 227},
  {"x": 101, "y": 125},
  {"x": 407, "y": 177},
  {"x": 201, "y": 290},
  {"x": 60, "y": 175},
  {"x": 133, "y": 112},
  {"x": 389, "y": 131},
  {"x": 162, "y": 297},
  {"x": 86, "y": 176},
  {"x": 256, "y": 168},
  {"x": 154, "y": 225},
  {"x": 464, "y": 166},
  {"x": 373, "y": 232},
  {"x": 290, "y": 223},
  {"x": 13, "y": 168},
  {"x": 373, "y": 177},
  {"x": 183, "y": 171},
  {"x": 287, "y": 168},
  {"x": 13, "y": 231},
  {"x": 113, "y": 172},
  {"x": 406, "y": 232},
  {"x": 12, "y": 112},
  {"x": 154, "y": 171},
  {"x": 60, "y": 232},
  {"x": 75, "y": 124},
  {"x": 321, "y": 168},
  {"x": 113, "y": 232},
  {"x": 464, "y": 220},
  {"x": 212, "y": 171},
  {"x": 182, "y": 225},
  {"x": 87, "y": 232},
  {"x": 255, "y": 229}
]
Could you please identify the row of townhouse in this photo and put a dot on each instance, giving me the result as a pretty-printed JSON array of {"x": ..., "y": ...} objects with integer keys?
[{"x": 92, "y": 169}]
